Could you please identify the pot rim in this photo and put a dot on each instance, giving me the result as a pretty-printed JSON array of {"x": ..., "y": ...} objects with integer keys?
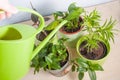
[{"x": 64, "y": 32}]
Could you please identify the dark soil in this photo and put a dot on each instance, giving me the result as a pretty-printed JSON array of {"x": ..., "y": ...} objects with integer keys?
[
  {"x": 42, "y": 35},
  {"x": 95, "y": 54},
  {"x": 62, "y": 63},
  {"x": 74, "y": 29},
  {"x": 70, "y": 30}
]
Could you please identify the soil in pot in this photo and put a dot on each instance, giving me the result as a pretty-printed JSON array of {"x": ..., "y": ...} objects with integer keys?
[
  {"x": 62, "y": 63},
  {"x": 95, "y": 54},
  {"x": 64, "y": 29},
  {"x": 42, "y": 35}
]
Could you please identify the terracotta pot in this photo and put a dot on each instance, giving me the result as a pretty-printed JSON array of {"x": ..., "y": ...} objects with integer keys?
[{"x": 72, "y": 37}]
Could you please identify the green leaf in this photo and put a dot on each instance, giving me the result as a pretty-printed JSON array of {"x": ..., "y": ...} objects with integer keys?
[
  {"x": 92, "y": 74},
  {"x": 59, "y": 13},
  {"x": 42, "y": 53},
  {"x": 35, "y": 61},
  {"x": 54, "y": 50},
  {"x": 80, "y": 75},
  {"x": 92, "y": 20},
  {"x": 97, "y": 67},
  {"x": 106, "y": 30},
  {"x": 72, "y": 7},
  {"x": 74, "y": 14},
  {"x": 48, "y": 60},
  {"x": 60, "y": 52},
  {"x": 81, "y": 69},
  {"x": 55, "y": 66},
  {"x": 43, "y": 64},
  {"x": 80, "y": 60},
  {"x": 82, "y": 63},
  {"x": 85, "y": 65}
]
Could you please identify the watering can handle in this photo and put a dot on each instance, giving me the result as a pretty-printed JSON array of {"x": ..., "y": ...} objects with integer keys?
[{"x": 41, "y": 19}]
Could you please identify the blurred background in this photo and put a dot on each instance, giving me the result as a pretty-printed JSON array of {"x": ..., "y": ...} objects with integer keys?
[{"x": 46, "y": 7}]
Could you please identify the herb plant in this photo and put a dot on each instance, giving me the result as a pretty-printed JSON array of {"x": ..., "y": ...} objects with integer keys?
[
  {"x": 72, "y": 16},
  {"x": 53, "y": 56},
  {"x": 81, "y": 66},
  {"x": 95, "y": 35},
  {"x": 95, "y": 31}
]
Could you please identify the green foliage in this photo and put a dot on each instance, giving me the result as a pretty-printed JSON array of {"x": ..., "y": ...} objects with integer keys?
[
  {"x": 81, "y": 66},
  {"x": 92, "y": 74},
  {"x": 80, "y": 75},
  {"x": 51, "y": 56},
  {"x": 92, "y": 19},
  {"x": 95, "y": 31},
  {"x": 106, "y": 30},
  {"x": 72, "y": 16},
  {"x": 52, "y": 25}
]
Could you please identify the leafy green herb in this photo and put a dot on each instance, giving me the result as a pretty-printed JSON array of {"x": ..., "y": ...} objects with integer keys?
[
  {"x": 95, "y": 31},
  {"x": 92, "y": 74},
  {"x": 72, "y": 16},
  {"x": 80, "y": 75},
  {"x": 51, "y": 56},
  {"x": 81, "y": 66}
]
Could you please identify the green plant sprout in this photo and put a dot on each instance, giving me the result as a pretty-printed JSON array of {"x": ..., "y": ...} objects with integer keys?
[
  {"x": 96, "y": 31},
  {"x": 81, "y": 66},
  {"x": 72, "y": 16}
]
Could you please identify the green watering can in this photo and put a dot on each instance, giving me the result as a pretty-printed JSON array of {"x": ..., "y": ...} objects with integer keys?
[{"x": 16, "y": 47}]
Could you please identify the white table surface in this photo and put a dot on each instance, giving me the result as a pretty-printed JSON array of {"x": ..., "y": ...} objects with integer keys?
[{"x": 112, "y": 64}]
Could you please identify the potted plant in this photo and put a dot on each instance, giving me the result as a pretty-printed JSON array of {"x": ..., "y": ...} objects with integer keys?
[
  {"x": 72, "y": 29},
  {"x": 94, "y": 46},
  {"x": 82, "y": 66},
  {"x": 54, "y": 57}
]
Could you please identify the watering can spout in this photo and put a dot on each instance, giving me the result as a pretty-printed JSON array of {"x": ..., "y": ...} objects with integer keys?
[{"x": 46, "y": 40}]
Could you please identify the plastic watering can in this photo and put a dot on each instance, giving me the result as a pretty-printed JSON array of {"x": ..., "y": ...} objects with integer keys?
[{"x": 16, "y": 47}]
